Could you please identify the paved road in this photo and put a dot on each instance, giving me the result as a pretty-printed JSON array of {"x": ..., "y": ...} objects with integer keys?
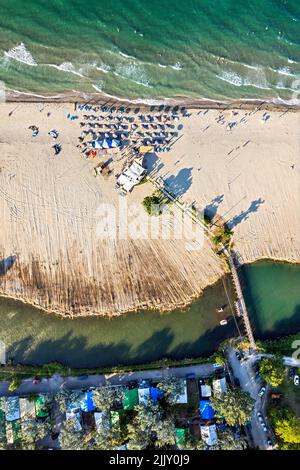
[
  {"x": 244, "y": 371},
  {"x": 53, "y": 384}
]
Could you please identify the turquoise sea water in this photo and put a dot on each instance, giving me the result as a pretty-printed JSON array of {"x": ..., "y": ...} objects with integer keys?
[{"x": 152, "y": 49}]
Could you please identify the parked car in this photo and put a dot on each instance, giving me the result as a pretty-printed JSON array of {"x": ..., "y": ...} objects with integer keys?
[
  {"x": 191, "y": 376},
  {"x": 269, "y": 442},
  {"x": 291, "y": 372},
  {"x": 262, "y": 391},
  {"x": 238, "y": 355},
  {"x": 237, "y": 382},
  {"x": 36, "y": 380},
  {"x": 258, "y": 377},
  {"x": 296, "y": 379},
  {"x": 259, "y": 416},
  {"x": 264, "y": 426}
]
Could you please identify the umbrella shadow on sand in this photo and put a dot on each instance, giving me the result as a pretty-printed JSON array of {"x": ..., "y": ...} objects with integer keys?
[{"x": 6, "y": 264}]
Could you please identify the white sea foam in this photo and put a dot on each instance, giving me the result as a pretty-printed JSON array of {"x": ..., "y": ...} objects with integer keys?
[
  {"x": 284, "y": 71},
  {"x": 97, "y": 88},
  {"x": 291, "y": 102},
  {"x": 127, "y": 56},
  {"x": 21, "y": 54},
  {"x": 290, "y": 61},
  {"x": 27, "y": 93},
  {"x": 67, "y": 67},
  {"x": 102, "y": 68},
  {"x": 176, "y": 66},
  {"x": 232, "y": 78},
  {"x": 257, "y": 80},
  {"x": 161, "y": 65},
  {"x": 133, "y": 72}
]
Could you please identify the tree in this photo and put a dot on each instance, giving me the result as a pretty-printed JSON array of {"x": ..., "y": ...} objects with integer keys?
[
  {"x": 165, "y": 432},
  {"x": 14, "y": 384},
  {"x": 70, "y": 438},
  {"x": 32, "y": 430},
  {"x": 172, "y": 389},
  {"x": 288, "y": 428},
  {"x": 107, "y": 437},
  {"x": 3, "y": 442},
  {"x": 152, "y": 204},
  {"x": 272, "y": 370},
  {"x": 150, "y": 427},
  {"x": 235, "y": 406},
  {"x": 65, "y": 396},
  {"x": 228, "y": 441},
  {"x": 106, "y": 396}
]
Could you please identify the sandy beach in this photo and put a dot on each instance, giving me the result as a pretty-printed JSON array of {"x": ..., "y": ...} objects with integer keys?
[{"x": 49, "y": 207}]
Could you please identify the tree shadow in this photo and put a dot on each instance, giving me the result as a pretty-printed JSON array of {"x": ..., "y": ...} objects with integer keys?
[
  {"x": 180, "y": 183},
  {"x": 244, "y": 215},
  {"x": 6, "y": 264},
  {"x": 212, "y": 208}
]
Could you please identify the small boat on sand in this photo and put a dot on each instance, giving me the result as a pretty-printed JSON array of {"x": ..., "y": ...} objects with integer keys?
[{"x": 220, "y": 309}]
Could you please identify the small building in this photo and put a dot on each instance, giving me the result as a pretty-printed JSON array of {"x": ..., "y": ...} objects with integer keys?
[
  {"x": 87, "y": 403},
  {"x": 144, "y": 394},
  {"x": 130, "y": 399},
  {"x": 220, "y": 385},
  {"x": 100, "y": 419},
  {"x": 182, "y": 397},
  {"x": 205, "y": 391},
  {"x": 156, "y": 394},
  {"x": 131, "y": 176},
  {"x": 206, "y": 410},
  {"x": 41, "y": 406},
  {"x": 12, "y": 408},
  {"x": 146, "y": 149},
  {"x": 27, "y": 408},
  {"x": 181, "y": 438},
  {"x": 209, "y": 434}
]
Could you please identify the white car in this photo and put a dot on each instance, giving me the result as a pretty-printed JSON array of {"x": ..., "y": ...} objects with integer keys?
[
  {"x": 296, "y": 379},
  {"x": 262, "y": 391},
  {"x": 259, "y": 417},
  {"x": 263, "y": 425}
]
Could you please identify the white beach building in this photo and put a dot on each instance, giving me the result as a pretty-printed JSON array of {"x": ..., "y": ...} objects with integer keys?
[
  {"x": 131, "y": 176},
  {"x": 220, "y": 385},
  {"x": 27, "y": 408},
  {"x": 209, "y": 434},
  {"x": 205, "y": 391},
  {"x": 144, "y": 394},
  {"x": 12, "y": 408},
  {"x": 182, "y": 398}
]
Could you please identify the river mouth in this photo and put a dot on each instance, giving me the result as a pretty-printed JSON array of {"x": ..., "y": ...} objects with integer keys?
[
  {"x": 32, "y": 336},
  {"x": 272, "y": 296}
]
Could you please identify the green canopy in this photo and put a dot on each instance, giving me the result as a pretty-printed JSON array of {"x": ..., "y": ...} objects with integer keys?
[
  {"x": 41, "y": 406},
  {"x": 131, "y": 399},
  {"x": 181, "y": 437}
]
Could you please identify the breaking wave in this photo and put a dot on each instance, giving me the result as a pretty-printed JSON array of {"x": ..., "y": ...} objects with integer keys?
[{"x": 21, "y": 54}]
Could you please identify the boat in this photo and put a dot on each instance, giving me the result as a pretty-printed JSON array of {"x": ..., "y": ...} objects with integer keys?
[
  {"x": 223, "y": 322},
  {"x": 220, "y": 309}
]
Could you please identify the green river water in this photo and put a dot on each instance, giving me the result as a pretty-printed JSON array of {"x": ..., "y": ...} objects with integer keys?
[{"x": 272, "y": 296}]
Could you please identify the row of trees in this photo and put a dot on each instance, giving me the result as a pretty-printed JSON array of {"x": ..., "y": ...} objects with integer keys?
[{"x": 152, "y": 425}]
